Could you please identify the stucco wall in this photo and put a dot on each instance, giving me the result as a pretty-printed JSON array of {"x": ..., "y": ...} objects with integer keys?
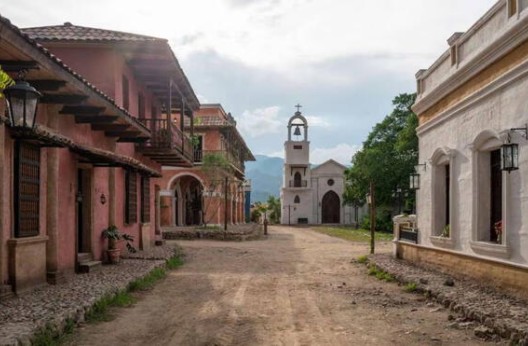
[{"x": 502, "y": 108}]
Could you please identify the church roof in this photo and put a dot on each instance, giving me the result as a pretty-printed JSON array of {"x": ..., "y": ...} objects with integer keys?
[{"x": 329, "y": 162}]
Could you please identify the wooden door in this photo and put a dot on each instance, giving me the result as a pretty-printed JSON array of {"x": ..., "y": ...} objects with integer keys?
[{"x": 331, "y": 208}]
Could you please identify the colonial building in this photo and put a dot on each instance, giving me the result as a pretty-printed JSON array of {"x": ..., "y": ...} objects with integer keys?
[
  {"x": 472, "y": 106},
  {"x": 310, "y": 195},
  {"x": 213, "y": 191},
  {"x": 98, "y": 140}
]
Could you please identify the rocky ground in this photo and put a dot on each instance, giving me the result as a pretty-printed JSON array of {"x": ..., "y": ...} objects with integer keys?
[
  {"x": 22, "y": 316},
  {"x": 489, "y": 312},
  {"x": 295, "y": 287}
]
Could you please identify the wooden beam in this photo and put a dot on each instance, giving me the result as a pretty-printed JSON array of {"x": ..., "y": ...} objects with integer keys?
[
  {"x": 17, "y": 65},
  {"x": 110, "y": 127},
  {"x": 70, "y": 99},
  {"x": 46, "y": 84},
  {"x": 81, "y": 110},
  {"x": 121, "y": 134},
  {"x": 95, "y": 119}
]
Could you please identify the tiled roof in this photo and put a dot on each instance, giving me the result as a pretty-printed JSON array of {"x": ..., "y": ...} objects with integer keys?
[
  {"x": 59, "y": 62},
  {"x": 70, "y": 32}
]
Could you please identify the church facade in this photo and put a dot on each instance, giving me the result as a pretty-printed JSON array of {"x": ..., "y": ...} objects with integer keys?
[{"x": 311, "y": 195}]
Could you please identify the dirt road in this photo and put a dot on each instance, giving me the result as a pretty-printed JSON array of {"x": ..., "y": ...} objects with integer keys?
[{"x": 297, "y": 287}]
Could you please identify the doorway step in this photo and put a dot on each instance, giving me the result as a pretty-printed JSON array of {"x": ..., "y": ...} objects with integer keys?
[{"x": 86, "y": 263}]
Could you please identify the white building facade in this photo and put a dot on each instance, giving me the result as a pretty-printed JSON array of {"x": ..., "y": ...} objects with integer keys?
[
  {"x": 471, "y": 214},
  {"x": 311, "y": 195}
]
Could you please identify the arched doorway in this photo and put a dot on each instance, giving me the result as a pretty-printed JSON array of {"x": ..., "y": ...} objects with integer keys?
[
  {"x": 187, "y": 206},
  {"x": 331, "y": 208}
]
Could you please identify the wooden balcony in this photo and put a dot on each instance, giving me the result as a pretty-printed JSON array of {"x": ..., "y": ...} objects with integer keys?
[
  {"x": 167, "y": 145},
  {"x": 235, "y": 162}
]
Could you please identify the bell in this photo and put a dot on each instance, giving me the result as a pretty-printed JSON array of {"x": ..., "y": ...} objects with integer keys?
[{"x": 297, "y": 131}]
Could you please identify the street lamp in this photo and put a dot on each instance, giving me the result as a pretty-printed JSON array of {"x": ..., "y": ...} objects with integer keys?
[{"x": 22, "y": 100}]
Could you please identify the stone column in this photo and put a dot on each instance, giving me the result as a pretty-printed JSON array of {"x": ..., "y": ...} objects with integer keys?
[
  {"x": 3, "y": 200},
  {"x": 52, "y": 205}
]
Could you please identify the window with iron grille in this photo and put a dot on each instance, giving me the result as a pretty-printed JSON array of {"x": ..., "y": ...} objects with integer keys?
[
  {"x": 145, "y": 199},
  {"x": 130, "y": 197},
  {"x": 27, "y": 181}
]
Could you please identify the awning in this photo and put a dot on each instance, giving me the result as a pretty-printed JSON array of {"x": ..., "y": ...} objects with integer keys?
[{"x": 96, "y": 156}]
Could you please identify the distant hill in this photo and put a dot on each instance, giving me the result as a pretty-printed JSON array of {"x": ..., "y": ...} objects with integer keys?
[{"x": 266, "y": 177}]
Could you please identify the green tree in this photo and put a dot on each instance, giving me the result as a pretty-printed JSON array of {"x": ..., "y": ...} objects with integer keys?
[
  {"x": 216, "y": 168},
  {"x": 274, "y": 206},
  {"x": 387, "y": 158},
  {"x": 5, "y": 81}
]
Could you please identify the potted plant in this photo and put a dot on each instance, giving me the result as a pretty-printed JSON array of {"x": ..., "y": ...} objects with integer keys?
[{"x": 113, "y": 234}]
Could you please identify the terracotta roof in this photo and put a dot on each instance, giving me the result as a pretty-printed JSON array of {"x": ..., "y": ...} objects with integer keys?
[
  {"x": 70, "y": 32},
  {"x": 70, "y": 71}
]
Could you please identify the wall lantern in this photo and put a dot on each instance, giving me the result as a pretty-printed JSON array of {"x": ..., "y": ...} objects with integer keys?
[
  {"x": 102, "y": 198},
  {"x": 414, "y": 181},
  {"x": 414, "y": 178},
  {"x": 22, "y": 100},
  {"x": 510, "y": 151}
]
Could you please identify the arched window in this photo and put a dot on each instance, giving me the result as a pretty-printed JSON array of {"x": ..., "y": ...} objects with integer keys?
[
  {"x": 441, "y": 192},
  {"x": 297, "y": 179},
  {"x": 297, "y": 200}
]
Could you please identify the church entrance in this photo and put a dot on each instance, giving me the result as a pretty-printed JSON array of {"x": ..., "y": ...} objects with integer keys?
[{"x": 331, "y": 208}]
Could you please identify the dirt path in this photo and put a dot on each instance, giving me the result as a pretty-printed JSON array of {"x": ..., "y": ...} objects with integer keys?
[{"x": 297, "y": 287}]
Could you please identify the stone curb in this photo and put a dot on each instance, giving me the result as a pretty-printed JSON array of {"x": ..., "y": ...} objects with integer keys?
[
  {"x": 436, "y": 286},
  {"x": 22, "y": 332},
  {"x": 253, "y": 233}
]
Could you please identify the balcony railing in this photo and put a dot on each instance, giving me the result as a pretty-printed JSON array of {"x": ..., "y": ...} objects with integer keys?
[
  {"x": 165, "y": 136},
  {"x": 298, "y": 183},
  {"x": 231, "y": 158}
]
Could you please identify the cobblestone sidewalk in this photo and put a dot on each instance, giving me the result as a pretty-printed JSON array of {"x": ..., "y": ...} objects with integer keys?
[
  {"x": 491, "y": 313},
  {"x": 22, "y": 317}
]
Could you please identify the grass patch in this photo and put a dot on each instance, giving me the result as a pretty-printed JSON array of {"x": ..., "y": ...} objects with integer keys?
[
  {"x": 362, "y": 259},
  {"x": 410, "y": 287},
  {"x": 148, "y": 281},
  {"x": 99, "y": 312},
  {"x": 174, "y": 262},
  {"x": 380, "y": 274},
  {"x": 352, "y": 234}
]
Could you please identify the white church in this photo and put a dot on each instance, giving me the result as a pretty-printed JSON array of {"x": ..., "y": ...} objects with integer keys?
[{"x": 311, "y": 195}]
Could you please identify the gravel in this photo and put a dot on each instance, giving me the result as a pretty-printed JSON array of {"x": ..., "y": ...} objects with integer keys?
[
  {"x": 51, "y": 305},
  {"x": 498, "y": 315}
]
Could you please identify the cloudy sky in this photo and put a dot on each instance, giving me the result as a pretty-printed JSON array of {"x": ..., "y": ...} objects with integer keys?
[{"x": 343, "y": 60}]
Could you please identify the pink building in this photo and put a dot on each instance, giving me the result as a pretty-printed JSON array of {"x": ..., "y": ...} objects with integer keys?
[
  {"x": 197, "y": 195},
  {"x": 101, "y": 136}
]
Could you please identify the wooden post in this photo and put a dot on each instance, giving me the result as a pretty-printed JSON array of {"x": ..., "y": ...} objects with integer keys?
[
  {"x": 372, "y": 218},
  {"x": 225, "y": 204}
]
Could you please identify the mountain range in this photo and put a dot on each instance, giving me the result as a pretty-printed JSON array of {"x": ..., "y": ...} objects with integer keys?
[{"x": 266, "y": 177}]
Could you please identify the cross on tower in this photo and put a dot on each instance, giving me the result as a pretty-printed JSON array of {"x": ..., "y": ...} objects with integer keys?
[{"x": 298, "y": 107}]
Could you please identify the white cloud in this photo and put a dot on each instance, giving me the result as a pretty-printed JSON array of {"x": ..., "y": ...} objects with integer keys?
[
  {"x": 260, "y": 121},
  {"x": 341, "y": 153},
  {"x": 316, "y": 121}
]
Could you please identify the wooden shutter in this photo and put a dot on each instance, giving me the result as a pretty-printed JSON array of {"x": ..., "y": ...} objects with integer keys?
[
  {"x": 145, "y": 199},
  {"x": 27, "y": 181},
  {"x": 130, "y": 197}
]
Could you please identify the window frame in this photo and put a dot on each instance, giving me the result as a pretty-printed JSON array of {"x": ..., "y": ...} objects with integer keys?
[
  {"x": 21, "y": 189},
  {"x": 131, "y": 197}
]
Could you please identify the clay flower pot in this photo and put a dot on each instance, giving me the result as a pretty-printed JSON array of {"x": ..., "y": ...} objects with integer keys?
[{"x": 114, "y": 255}]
